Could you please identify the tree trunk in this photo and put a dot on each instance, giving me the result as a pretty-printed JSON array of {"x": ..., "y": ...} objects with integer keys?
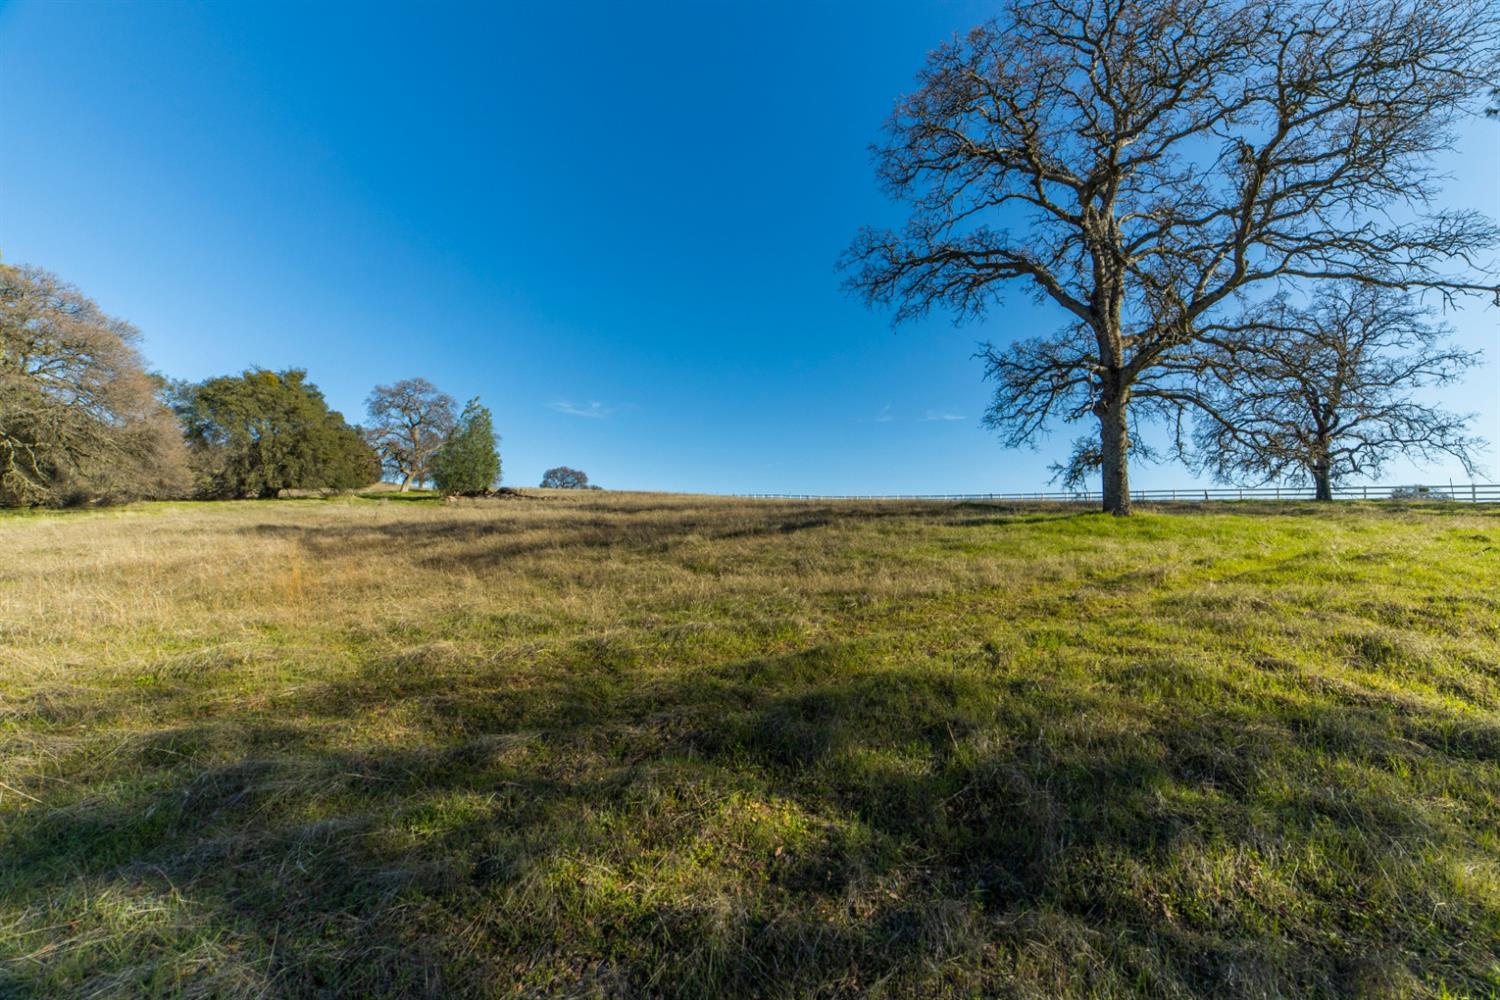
[
  {"x": 405, "y": 482},
  {"x": 1322, "y": 483},
  {"x": 1114, "y": 453}
]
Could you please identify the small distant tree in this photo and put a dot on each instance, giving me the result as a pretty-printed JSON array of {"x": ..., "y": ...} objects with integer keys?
[
  {"x": 80, "y": 421},
  {"x": 564, "y": 478},
  {"x": 408, "y": 423},
  {"x": 469, "y": 460},
  {"x": 1329, "y": 390},
  {"x": 260, "y": 432}
]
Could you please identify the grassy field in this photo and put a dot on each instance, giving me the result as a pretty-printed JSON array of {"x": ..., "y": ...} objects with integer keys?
[{"x": 636, "y": 745}]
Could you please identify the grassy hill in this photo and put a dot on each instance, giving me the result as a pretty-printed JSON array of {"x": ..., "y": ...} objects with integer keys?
[{"x": 634, "y": 745}]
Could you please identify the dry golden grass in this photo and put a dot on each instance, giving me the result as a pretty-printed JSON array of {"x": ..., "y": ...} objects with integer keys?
[{"x": 630, "y": 744}]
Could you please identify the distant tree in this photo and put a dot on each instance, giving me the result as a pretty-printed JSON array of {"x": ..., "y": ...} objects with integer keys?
[
  {"x": 408, "y": 422},
  {"x": 260, "y": 432},
  {"x": 1329, "y": 391},
  {"x": 564, "y": 478},
  {"x": 1143, "y": 164},
  {"x": 468, "y": 461},
  {"x": 79, "y": 417}
]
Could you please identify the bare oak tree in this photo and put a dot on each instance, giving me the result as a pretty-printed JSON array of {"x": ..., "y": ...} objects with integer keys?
[
  {"x": 1143, "y": 164},
  {"x": 1328, "y": 390},
  {"x": 79, "y": 416},
  {"x": 408, "y": 422}
]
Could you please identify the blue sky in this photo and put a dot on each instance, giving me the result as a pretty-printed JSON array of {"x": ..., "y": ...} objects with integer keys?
[{"x": 615, "y": 223}]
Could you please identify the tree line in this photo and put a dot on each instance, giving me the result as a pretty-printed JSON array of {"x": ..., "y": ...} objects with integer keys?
[
  {"x": 82, "y": 420},
  {"x": 1234, "y": 204}
]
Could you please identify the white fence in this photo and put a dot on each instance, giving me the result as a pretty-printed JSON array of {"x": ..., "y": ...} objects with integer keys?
[{"x": 1464, "y": 492}]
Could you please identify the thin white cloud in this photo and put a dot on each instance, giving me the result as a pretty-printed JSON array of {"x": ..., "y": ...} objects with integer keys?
[
  {"x": 943, "y": 415},
  {"x": 885, "y": 416},
  {"x": 594, "y": 409}
]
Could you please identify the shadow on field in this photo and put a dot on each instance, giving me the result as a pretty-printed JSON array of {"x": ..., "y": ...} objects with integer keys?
[
  {"x": 504, "y": 534},
  {"x": 809, "y": 824},
  {"x": 501, "y": 540},
  {"x": 1313, "y": 508}
]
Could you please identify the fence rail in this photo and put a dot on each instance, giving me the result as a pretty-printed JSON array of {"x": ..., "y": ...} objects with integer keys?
[{"x": 1462, "y": 492}]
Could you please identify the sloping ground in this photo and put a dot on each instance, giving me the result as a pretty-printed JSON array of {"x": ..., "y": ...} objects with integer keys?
[{"x": 630, "y": 745}]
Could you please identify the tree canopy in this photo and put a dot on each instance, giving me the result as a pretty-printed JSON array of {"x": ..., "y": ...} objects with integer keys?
[
  {"x": 1146, "y": 164},
  {"x": 408, "y": 422},
  {"x": 564, "y": 478},
  {"x": 1328, "y": 390},
  {"x": 469, "y": 459},
  {"x": 260, "y": 432},
  {"x": 79, "y": 417}
]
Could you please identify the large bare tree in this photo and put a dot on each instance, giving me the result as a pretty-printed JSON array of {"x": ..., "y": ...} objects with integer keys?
[
  {"x": 408, "y": 422},
  {"x": 80, "y": 420},
  {"x": 1328, "y": 390},
  {"x": 1143, "y": 164}
]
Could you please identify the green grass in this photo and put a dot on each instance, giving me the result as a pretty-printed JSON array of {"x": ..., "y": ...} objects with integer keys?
[{"x": 636, "y": 745}]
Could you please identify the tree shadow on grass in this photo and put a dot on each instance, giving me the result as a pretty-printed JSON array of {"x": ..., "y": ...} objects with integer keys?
[
  {"x": 810, "y": 824},
  {"x": 501, "y": 541},
  {"x": 652, "y": 529},
  {"x": 1324, "y": 509}
]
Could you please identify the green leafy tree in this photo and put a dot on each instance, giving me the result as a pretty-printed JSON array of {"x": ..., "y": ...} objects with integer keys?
[
  {"x": 468, "y": 461},
  {"x": 263, "y": 431},
  {"x": 565, "y": 478}
]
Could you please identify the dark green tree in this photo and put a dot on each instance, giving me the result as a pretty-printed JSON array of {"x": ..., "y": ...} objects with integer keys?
[
  {"x": 565, "y": 478},
  {"x": 468, "y": 461},
  {"x": 263, "y": 431}
]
